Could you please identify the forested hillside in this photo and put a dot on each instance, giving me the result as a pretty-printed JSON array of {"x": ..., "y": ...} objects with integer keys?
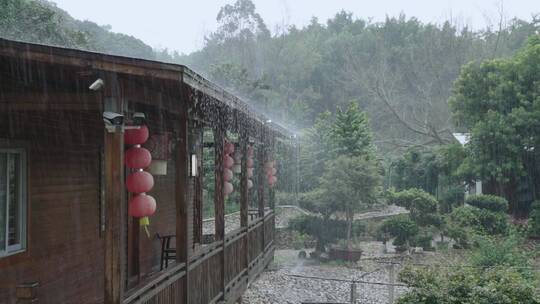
[
  {"x": 41, "y": 21},
  {"x": 399, "y": 71}
]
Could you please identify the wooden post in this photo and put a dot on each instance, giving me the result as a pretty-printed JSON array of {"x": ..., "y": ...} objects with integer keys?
[
  {"x": 244, "y": 192},
  {"x": 261, "y": 155},
  {"x": 392, "y": 281},
  {"x": 182, "y": 203},
  {"x": 219, "y": 199},
  {"x": 115, "y": 204},
  {"x": 353, "y": 293}
]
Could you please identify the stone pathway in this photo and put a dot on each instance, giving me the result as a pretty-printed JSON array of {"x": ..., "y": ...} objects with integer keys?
[{"x": 277, "y": 285}]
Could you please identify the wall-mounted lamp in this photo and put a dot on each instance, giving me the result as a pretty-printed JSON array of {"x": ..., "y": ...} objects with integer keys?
[{"x": 193, "y": 172}]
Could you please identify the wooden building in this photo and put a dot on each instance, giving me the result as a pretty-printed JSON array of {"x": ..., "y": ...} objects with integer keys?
[{"x": 65, "y": 235}]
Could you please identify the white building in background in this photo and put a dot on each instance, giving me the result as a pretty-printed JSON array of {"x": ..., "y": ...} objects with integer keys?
[{"x": 476, "y": 187}]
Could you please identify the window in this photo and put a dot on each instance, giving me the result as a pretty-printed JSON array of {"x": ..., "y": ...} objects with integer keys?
[{"x": 12, "y": 201}]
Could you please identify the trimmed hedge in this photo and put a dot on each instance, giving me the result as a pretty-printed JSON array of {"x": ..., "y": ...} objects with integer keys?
[{"x": 488, "y": 202}]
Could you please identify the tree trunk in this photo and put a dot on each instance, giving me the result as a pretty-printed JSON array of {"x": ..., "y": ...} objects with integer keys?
[{"x": 350, "y": 216}]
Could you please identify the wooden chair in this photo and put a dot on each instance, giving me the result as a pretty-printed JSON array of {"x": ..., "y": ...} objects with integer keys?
[{"x": 167, "y": 252}]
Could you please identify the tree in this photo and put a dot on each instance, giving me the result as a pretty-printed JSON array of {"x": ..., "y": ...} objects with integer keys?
[
  {"x": 498, "y": 101},
  {"x": 351, "y": 133},
  {"x": 350, "y": 184}
]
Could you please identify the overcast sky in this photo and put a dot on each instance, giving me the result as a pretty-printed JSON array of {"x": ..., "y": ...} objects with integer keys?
[{"x": 182, "y": 24}]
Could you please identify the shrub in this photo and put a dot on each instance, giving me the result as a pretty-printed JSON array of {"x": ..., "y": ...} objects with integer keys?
[
  {"x": 480, "y": 220},
  {"x": 466, "y": 285},
  {"x": 422, "y": 205},
  {"x": 491, "y": 252},
  {"x": 325, "y": 230},
  {"x": 534, "y": 220},
  {"x": 488, "y": 202},
  {"x": 423, "y": 240},
  {"x": 401, "y": 227}
]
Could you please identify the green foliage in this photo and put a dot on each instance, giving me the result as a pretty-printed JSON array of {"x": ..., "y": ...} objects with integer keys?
[
  {"x": 40, "y": 21},
  {"x": 350, "y": 184},
  {"x": 351, "y": 133},
  {"x": 422, "y": 205},
  {"x": 534, "y": 220},
  {"x": 489, "y": 202},
  {"x": 401, "y": 227},
  {"x": 465, "y": 285},
  {"x": 498, "y": 101},
  {"x": 503, "y": 251},
  {"x": 325, "y": 230},
  {"x": 479, "y": 220},
  {"x": 400, "y": 61}
]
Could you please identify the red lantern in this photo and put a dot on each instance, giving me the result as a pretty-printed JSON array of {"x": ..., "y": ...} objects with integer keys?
[
  {"x": 228, "y": 162},
  {"x": 138, "y": 158},
  {"x": 229, "y": 148},
  {"x": 141, "y": 205},
  {"x": 227, "y": 174},
  {"x": 250, "y": 163},
  {"x": 136, "y": 136},
  {"x": 272, "y": 180},
  {"x": 139, "y": 182},
  {"x": 250, "y": 172},
  {"x": 227, "y": 188}
]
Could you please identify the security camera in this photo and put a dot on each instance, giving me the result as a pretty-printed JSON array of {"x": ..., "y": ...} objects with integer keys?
[
  {"x": 97, "y": 85},
  {"x": 113, "y": 119},
  {"x": 139, "y": 119}
]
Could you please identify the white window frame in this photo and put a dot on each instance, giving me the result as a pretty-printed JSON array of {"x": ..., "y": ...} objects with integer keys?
[{"x": 22, "y": 206}]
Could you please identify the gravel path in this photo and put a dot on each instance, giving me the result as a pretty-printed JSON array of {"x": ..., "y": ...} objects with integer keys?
[{"x": 276, "y": 285}]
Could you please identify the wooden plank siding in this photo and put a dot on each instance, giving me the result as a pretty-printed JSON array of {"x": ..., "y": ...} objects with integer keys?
[{"x": 81, "y": 245}]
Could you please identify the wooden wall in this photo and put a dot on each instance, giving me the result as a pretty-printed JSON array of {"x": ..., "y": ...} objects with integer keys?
[{"x": 64, "y": 241}]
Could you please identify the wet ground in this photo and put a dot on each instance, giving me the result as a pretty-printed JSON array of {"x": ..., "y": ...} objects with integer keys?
[{"x": 282, "y": 283}]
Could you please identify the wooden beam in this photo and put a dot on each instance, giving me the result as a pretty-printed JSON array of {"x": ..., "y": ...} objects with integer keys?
[
  {"x": 244, "y": 194},
  {"x": 44, "y": 101},
  {"x": 219, "y": 199},
  {"x": 115, "y": 203},
  {"x": 114, "y": 217},
  {"x": 183, "y": 204}
]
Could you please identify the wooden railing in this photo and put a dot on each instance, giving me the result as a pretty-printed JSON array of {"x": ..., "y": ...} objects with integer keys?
[{"x": 211, "y": 276}]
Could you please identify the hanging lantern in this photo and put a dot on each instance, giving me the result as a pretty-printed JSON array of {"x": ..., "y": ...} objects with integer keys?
[
  {"x": 250, "y": 172},
  {"x": 228, "y": 148},
  {"x": 227, "y": 174},
  {"x": 237, "y": 168},
  {"x": 136, "y": 136},
  {"x": 269, "y": 164},
  {"x": 249, "y": 184},
  {"x": 273, "y": 171},
  {"x": 272, "y": 180},
  {"x": 227, "y": 188},
  {"x": 250, "y": 151},
  {"x": 250, "y": 163},
  {"x": 139, "y": 182},
  {"x": 138, "y": 158},
  {"x": 141, "y": 205},
  {"x": 228, "y": 162}
]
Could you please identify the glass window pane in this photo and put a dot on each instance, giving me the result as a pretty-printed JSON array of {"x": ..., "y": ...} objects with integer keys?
[
  {"x": 14, "y": 171},
  {"x": 3, "y": 200}
]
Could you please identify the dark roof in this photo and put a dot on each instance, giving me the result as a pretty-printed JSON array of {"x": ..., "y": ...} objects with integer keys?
[{"x": 132, "y": 66}]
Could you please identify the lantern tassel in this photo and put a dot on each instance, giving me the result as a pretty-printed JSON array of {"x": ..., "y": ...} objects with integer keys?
[{"x": 145, "y": 222}]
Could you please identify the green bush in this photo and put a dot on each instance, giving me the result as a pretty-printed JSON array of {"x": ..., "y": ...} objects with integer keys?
[
  {"x": 488, "y": 202},
  {"x": 534, "y": 220},
  {"x": 505, "y": 252},
  {"x": 480, "y": 220},
  {"x": 423, "y": 240},
  {"x": 325, "y": 230},
  {"x": 401, "y": 227},
  {"x": 422, "y": 205},
  {"x": 468, "y": 285}
]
